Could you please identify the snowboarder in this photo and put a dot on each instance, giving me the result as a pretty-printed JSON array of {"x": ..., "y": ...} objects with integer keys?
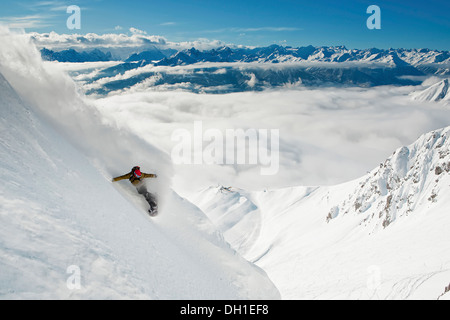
[{"x": 136, "y": 176}]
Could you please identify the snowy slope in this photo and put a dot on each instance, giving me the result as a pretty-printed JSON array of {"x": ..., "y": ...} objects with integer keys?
[
  {"x": 436, "y": 92},
  {"x": 383, "y": 236},
  {"x": 237, "y": 217},
  {"x": 413, "y": 179},
  {"x": 59, "y": 211}
]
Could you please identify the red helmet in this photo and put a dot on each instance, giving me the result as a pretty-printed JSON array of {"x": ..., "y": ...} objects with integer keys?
[{"x": 137, "y": 172}]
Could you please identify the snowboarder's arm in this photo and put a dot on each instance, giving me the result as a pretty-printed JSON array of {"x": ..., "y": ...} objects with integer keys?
[
  {"x": 125, "y": 176},
  {"x": 149, "y": 175}
]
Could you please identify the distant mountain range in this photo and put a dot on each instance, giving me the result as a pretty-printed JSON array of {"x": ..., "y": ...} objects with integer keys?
[
  {"x": 227, "y": 69},
  {"x": 279, "y": 54},
  {"x": 72, "y": 55},
  {"x": 273, "y": 54}
]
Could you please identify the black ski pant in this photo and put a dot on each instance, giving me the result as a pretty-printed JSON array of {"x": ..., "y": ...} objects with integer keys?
[{"x": 148, "y": 196}]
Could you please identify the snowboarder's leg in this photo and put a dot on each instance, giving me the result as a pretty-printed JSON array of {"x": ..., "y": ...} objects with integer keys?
[
  {"x": 151, "y": 199},
  {"x": 142, "y": 190}
]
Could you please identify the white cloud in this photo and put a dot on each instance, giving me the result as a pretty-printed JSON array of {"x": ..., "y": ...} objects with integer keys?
[
  {"x": 252, "y": 81},
  {"x": 256, "y": 29},
  {"x": 26, "y": 22},
  {"x": 137, "y": 31},
  {"x": 327, "y": 135},
  {"x": 200, "y": 44},
  {"x": 44, "y": 14},
  {"x": 49, "y": 5},
  {"x": 137, "y": 38},
  {"x": 55, "y": 96},
  {"x": 92, "y": 40},
  {"x": 120, "y": 45}
]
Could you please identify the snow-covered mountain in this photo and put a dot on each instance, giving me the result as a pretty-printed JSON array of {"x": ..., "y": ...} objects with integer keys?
[
  {"x": 279, "y": 54},
  {"x": 249, "y": 69},
  {"x": 68, "y": 233},
  {"x": 71, "y": 55},
  {"x": 223, "y": 77},
  {"x": 414, "y": 180},
  {"x": 151, "y": 54},
  {"x": 436, "y": 92},
  {"x": 383, "y": 236}
]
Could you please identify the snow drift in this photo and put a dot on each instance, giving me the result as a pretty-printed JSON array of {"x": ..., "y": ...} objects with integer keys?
[{"x": 67, "y": 232}]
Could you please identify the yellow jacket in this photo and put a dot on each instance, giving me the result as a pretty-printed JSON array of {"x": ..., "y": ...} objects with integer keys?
[{"x": 133, "y": 179}]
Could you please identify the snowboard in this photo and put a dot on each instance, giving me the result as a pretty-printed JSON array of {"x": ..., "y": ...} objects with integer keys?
[{"x": 153, "y": 212}]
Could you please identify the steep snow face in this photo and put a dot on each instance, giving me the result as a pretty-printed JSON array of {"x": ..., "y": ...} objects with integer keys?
[
  {"x": 232, "y": 211},
  {"x": 61, "y": 220},
  {"x": 415, "y": 179},
  {"x": 67, "y": 232},
  {"x": 383, "y": 236},
  {"x": 437, "y": 92}
]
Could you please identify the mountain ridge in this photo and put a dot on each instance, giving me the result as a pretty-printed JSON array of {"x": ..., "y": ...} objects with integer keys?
[
  {"x": 436, "y": 92},
  {"x": 226, "y": 69},
  {"x": 391, "y": 221},
  {"x": 273, "y": 53},
  {"x": 414, "y": 175}
]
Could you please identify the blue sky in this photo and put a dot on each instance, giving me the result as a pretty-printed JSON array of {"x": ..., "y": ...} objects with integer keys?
[{"x": 404, "y": 24}]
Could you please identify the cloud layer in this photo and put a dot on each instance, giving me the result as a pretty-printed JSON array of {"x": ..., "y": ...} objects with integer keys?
[
  {"x": 327, "y": 135},
  {"x": 121, "y": 44}
]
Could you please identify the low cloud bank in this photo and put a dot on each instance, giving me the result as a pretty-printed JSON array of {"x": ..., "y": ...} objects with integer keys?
[{"x": 327, "y": 135}]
